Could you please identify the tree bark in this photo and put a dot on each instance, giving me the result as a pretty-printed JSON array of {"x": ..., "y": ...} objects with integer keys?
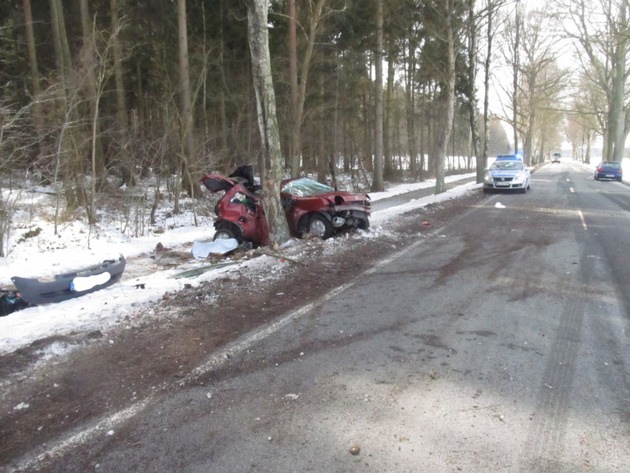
[
  {"x": 377, "y": 179},
  {"x": 186, "y": 101},
  {"x": 447, "y": 108},
  {"x": 257, "y": 14},
  {"x": 90, "y": 59},
  {"x": 38, "y": 118},
  {"x": 122, "y": 127},
  {"x": 481, "y": 166}
]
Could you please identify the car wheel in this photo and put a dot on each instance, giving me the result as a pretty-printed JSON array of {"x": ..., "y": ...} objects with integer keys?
[
  {"x": 225, "y": 233},
  {"x": 364, "y": 224},
  {"x": 595, "y": 177},
  {"x": 320, "y": 227}
]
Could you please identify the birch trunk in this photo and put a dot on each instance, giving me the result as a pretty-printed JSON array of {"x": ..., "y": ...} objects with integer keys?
[{"x": 257, "y": 12}]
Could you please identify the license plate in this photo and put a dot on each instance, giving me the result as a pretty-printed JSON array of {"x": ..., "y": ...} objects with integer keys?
[
  {"x": 502, "y": 184},
  {"x": 610, "y": 175}
]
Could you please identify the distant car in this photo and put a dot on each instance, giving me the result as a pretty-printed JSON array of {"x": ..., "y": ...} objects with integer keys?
[
  {"x": 507, "y": 175},
  {"x": 609, "y": 170},
  {"x": 556, "y": 158},
  {"x": 311, "y": 208}
]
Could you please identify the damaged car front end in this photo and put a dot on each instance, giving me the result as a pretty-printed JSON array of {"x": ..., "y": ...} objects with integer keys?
[{"x": 311, "y": 208}]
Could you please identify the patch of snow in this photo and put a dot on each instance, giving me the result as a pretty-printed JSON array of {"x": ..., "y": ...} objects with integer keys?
[{"x": 37, "y": 251}]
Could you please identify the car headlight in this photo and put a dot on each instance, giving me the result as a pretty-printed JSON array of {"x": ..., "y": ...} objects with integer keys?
[
  {"x": 519, "y": 178},
  {"x": 487, "y": 177}
]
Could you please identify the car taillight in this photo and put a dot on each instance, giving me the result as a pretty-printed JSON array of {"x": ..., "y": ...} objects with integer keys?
[{"x": 600, "y": 169}]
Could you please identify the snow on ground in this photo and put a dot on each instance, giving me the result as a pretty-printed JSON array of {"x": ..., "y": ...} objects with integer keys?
[{"x": 75, "y": 246}]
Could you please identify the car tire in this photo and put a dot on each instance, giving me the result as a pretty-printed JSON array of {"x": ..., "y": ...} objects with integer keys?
[
  {"x": 319, "y": 226},
  {"x": 225, "y": 233},
  {"x": 364, "y": 224}
]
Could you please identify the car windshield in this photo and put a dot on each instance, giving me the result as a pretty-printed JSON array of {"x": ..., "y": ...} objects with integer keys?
[
  {"x": 305, "y": 187},
  {"x": 507, "y": 166}
]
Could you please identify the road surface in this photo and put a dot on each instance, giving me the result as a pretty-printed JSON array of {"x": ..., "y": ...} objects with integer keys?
[{"x": 496, "y": 341}]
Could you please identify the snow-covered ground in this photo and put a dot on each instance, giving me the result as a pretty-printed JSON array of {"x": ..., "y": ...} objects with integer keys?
[{"x": 75, "y": 246}]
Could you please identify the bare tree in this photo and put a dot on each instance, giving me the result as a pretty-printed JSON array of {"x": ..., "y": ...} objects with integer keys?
[
  {"x": 186, "y": 100},
  {"x": 38, "y": 118},
  {"x": 257, "y": 14},
  {"x": 299, "y": 81},
  {"x": 377, "y": 179},
  {"x": 446, "y": 98},
  {"x": 599, "y": 29}
]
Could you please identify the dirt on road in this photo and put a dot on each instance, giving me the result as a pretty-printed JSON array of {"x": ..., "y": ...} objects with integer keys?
[{"x": 45, "y": 400}]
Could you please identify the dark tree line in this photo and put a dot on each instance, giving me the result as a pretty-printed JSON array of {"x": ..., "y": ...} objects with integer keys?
[{"x": 92, "y": 90}]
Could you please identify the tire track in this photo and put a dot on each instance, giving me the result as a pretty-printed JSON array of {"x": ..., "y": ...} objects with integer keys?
[{"x": 546, "y": 438}]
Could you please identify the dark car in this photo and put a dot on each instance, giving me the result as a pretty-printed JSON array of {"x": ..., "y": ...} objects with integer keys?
[
  {"x": 310, "y": 207},
  {"x": 609, "y": 170}
]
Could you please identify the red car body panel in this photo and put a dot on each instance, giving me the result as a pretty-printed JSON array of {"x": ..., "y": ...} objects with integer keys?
[{"x": 241, "y": 208}]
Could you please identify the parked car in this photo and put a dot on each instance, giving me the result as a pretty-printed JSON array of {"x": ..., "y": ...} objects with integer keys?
[
  {"x": 311, "y": 208},
  {"x": 609, "y": 170},
  {"x": 507, "y": 175}
]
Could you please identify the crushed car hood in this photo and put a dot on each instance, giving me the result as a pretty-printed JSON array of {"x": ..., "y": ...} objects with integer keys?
[{"x": 218, "y": 182}]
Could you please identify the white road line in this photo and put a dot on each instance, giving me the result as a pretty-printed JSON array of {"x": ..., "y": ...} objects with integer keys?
[
  {"x": 102, "y": 426},
  {"x": 584, "y": 226}
]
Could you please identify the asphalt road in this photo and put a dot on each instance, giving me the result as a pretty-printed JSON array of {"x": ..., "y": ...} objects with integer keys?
[{"x": 496, "y": 343}]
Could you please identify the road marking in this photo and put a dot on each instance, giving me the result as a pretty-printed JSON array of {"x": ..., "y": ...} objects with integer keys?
[
  {"x": 102, "y": 426},
  {"x": 584, "y": 226}
]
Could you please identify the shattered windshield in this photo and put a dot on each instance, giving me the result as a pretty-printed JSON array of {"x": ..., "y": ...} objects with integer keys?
[
  {"x": 305, "y": 187},
  {"x": 507, "y": 166}
]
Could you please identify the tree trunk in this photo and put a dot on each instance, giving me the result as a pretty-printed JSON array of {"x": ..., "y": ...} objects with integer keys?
[
  {"x": 447, "y": 108},
  {"x": 322, "y": 154},
  {"x": 257, "y": 13},
  {"x": 126, "y": 165},
  {"x": 486, "y": 101},
  {"x": 388, "y": 165},
  {"x": 89, "y": 59},
  {"x": 186, "y": 98},
  {"x": 38, "y": 118},
  {"x": 377, "y": 179},
  {"x": 297, "y": 99},
  {"x": 411, "y": 112},
  {"x": 617, "y": 113},
  {"x": 294, "y": 148},
  {"x": 517, "y": 25},
  {"x": 472, "y": 77}
]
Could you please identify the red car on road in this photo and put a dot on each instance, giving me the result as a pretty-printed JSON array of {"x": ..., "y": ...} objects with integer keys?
[{"x": 310, "y": 206}]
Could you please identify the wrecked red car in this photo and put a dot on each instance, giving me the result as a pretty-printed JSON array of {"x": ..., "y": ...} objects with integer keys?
[{"x": 312, "y": 208}]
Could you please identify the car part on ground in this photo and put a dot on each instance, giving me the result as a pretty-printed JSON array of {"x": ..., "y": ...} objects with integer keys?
[
  {"x": 311, "y": 208},
  {"x": 69, "y": 285},
  {"x": 507, "y": 175},
  {"x": 609, "y": 170}
]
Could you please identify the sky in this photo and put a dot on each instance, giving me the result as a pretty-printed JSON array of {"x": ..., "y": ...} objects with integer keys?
[{"x": 145, "y": 280}]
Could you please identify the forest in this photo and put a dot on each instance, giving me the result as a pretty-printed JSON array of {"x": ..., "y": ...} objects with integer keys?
[{"x": 98, "y": 95}]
